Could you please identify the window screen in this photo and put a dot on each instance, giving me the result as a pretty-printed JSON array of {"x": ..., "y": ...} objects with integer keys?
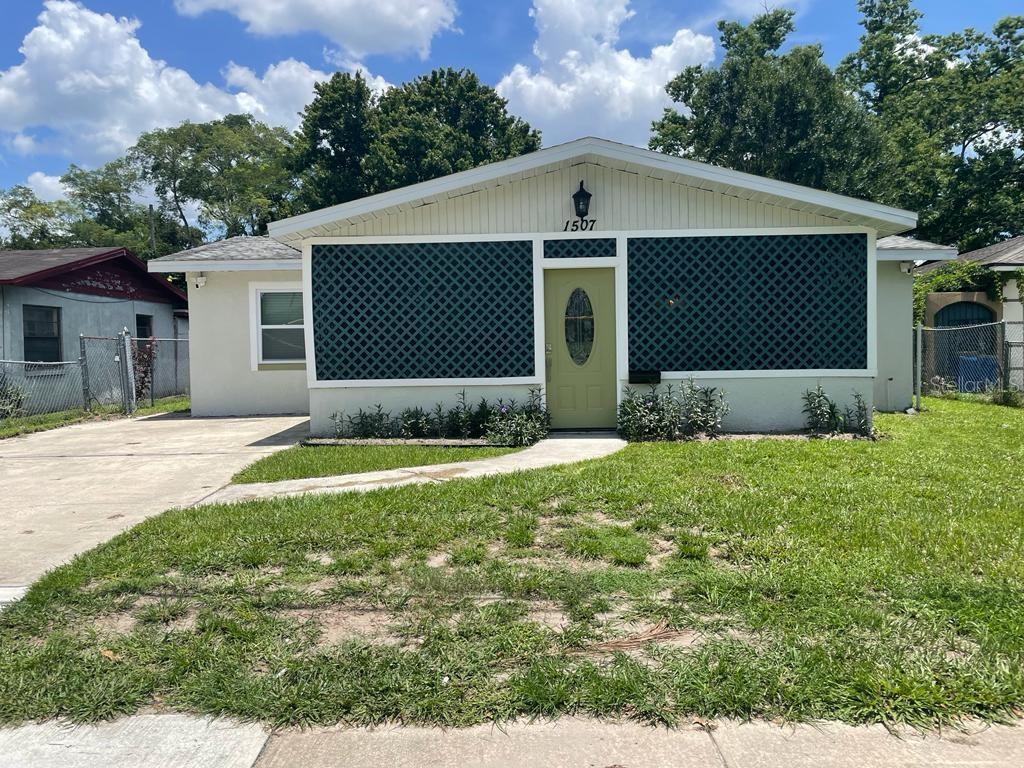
[
  {"x": 282, "y": 333},
  {"x": 143, "y": 326}
]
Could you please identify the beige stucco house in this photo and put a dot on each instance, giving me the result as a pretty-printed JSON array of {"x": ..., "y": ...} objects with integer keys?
[{"x": 580, "y": 269}]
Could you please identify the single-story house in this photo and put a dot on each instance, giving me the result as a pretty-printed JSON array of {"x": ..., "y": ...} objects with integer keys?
[
  {"x": 581, "y": 269},
  {"x": 49, "y": 297},
  {"x": 954, "y": 308}
]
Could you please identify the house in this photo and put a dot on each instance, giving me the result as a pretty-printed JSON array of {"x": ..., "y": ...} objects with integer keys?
[
  {"x": 581, "y": 269},
  {"x": 954, "y": 308},
  {"x": 49, "y": 297}
]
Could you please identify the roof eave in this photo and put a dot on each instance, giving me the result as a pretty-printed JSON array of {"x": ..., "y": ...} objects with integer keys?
[
  {"x": 916, "y": 254},
  {"x": 899, "y": 220},
  {"x": 227, "y": 265}
]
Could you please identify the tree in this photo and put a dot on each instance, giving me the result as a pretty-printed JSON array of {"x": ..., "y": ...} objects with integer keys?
[
  {"x": 441, "y": 123},
  {"x": 106, "y": 193},
  {"x": 335, "y": 135},
  {"x": 785, "y": 116},
  {"x": 952, "y": 110},
  {"x": 34, "y": 223},
  {"x": 235, "y": 169}
]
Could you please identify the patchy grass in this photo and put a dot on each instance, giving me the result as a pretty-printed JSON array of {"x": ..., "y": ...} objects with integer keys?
[
  {"x": 25, "y": 425},
  {"x": 857, "y": 580},
  {"x": 173, "y": 404},
  {"x": 325, "y": 460}
]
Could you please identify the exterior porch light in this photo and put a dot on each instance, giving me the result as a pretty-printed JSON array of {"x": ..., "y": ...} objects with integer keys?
[{"x": 581, "y": 202}]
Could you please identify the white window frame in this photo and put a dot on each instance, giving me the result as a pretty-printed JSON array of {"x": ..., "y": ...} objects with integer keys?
[{"x": 256, "y": 327}]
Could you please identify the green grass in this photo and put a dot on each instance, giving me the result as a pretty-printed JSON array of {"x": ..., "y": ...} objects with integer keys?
[
  {"x": 855, "y": 580},
  {"x": 173, "y": 404},
  {"x": 24, "y": 425},
  {"x": 325, "y": 460}
]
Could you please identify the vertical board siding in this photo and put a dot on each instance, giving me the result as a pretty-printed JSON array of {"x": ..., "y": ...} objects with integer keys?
[{"x": 623, "y": 200}]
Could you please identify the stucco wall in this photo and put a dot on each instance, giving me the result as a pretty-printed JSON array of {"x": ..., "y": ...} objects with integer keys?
[
  {"x": 894, "y": 386},
  {"x": 1013, "y": 310},
  {"x": 223, "y": 382},
  {"x": 80, "y": 314}
]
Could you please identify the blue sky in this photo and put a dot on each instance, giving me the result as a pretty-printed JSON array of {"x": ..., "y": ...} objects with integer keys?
[{"x": 80, "y": 80}]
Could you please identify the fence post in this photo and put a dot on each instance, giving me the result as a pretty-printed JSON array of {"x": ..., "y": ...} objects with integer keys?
[
  {"x": 128, "y": 370},
  {"x": 83, "y": 365},
  {"x": 917, "y": 367}
]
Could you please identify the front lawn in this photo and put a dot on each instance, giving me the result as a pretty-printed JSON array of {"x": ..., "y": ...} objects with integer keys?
[
  {"x": 325, "y": 460},
  {"x": 862, "y": 581}
]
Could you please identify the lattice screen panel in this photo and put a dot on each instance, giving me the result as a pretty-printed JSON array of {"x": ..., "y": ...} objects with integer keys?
[
  {"x": 580, "y": 249},
  {"x": 753, "y": 303},
  {"x": 423, "y": 310}
]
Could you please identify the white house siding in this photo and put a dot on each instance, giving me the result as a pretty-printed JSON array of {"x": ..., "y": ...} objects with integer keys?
[
  {"x": 541, "y": 203},
  {"x": 80, "y": 314},
  {"x": 222, "y": 380},
  {"x": 894, "y": 385}
]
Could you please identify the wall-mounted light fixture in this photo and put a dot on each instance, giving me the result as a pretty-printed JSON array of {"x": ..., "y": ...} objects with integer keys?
[
  {"x": 581, "y": 202},
  {"x": 199, "y": 280}
]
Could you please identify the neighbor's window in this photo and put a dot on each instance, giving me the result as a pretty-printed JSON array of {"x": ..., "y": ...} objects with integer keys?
[
  {"x": 143, "y": 326},
  {"x": 42, "y": 333},
  {"x": 282, "y": 335}
]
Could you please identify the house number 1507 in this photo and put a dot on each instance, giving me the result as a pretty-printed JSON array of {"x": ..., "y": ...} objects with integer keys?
[{"x": 579, "y": 225}]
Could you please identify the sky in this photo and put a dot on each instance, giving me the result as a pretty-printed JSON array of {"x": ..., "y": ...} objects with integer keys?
[{"x": 80, "y": 80}]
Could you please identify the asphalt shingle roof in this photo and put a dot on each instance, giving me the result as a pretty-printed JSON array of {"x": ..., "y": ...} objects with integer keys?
[
  {"x": 18, "y": 264},
  {"x": 901, "y": 243},
  {"x": 1008, "y": 254},
  {"x": 241, "y": 248}
]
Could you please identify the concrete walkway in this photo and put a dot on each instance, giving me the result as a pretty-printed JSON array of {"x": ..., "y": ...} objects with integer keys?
[
  {"x": 66, "y": 490},
  {"x": 557, "y": 449},
  {"x": 182, "y": 741}
]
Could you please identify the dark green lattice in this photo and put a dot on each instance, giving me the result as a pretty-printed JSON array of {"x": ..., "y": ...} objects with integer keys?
[
  {"x": 423, "y": 310},
  {"x": 751, "y": 303},
  {"x": 588, "y": 248}
]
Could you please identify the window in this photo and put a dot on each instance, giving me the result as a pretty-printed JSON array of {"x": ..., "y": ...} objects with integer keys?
[
  {"x": 143, "y": 326},
  {"x": 579, "y": 326},
  {"x": 42, "y": 333},
  {"x": 281, "y": 336}
]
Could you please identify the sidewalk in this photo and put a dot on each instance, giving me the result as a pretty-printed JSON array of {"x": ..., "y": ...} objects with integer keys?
[
  {"x": 557, "y": 449},
  {"x": 181, "y": 741}
]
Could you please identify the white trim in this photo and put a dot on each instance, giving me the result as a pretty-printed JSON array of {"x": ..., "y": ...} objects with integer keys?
[
  {"x": 232, "y": 265},
  {"x": 916, "y": 254},
  {"x": 256, "y": 326},
  {"x": 809, "y": 373},
  {"x": 901, "y": 219},
  {"x": 619, "y": 263}
]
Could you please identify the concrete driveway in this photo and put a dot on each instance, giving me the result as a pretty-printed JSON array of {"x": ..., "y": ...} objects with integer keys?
[{"x": 65, "y": 491}]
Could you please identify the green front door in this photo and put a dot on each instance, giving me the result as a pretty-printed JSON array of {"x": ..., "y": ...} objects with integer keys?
[{"x": 579, "y": 336}]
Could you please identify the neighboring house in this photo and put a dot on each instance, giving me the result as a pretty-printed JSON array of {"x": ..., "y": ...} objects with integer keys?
[
  {"x": 969, "y": 308},
  {"x": 580, "y": 268},
  {"x": 49, "y": 297}
]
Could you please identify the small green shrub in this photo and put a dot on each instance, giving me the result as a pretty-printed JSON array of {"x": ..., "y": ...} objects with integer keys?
[
  {"x": 519, "y": 425},
  {"x": 1012, "y": 398},
  {"x": 824, "y": 416},
  {"x": 415, "y": 423},
  {"x": 665, "y": 415},
  {"x": 461, "y": 421}
]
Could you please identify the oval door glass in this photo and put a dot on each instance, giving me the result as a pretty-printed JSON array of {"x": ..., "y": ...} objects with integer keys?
[{"x": 579, "y": 326}]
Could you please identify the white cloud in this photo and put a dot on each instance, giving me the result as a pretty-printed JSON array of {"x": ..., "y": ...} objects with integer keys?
[
  {"x": 584, "y": 84},
  {"x": 46, "y": 187},
  {"x": 359, "y": 27},
  {"x": 87, "y": 79}
]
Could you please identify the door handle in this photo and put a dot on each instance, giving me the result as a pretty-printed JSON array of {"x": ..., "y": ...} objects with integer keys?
[{"x": 547, "y": 363}]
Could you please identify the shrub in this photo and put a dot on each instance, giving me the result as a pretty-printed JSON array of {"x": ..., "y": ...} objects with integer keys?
[
  {"x": 12, "y": 398},
  {"x": 658, "y": 415},
  {"x": 143, "y": 355},
  {"x": 415, "y": 423},
  {"x": 824, "y": 417},
  {"x": 371, "y": 424},
  {"x": 518, "y": 425},
  {"x": 821, "y": 411},
  {"x": 460, "y": 418},
  {"x": 1012, "y": 398}
]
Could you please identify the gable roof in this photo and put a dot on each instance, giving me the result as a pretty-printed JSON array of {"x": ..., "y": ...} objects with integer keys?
[
  {"x": 26, "y": 267},
  {"x": 899, "y": 248},
  {"x": 1005, "y": 256},
  {"x": 885, "y": 219},
  {"x": 268, "y": 253}
]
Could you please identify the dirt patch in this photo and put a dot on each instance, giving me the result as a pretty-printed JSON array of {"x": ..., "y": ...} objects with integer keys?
[
  {"x": 661, "y": 550},
  {"x": 638, "y": 636},
  {"x": 112, "y": 624},
  {"x": 438, "y": 560},
  {"x": 323, "y": 558},
  {"x": 320, "y": 586},
  {"x": 732, "y": 482},
  {"x": 548, "y": 614},
  {"x": 442, "y": 474},
  {"x": 339, "y": 624}
]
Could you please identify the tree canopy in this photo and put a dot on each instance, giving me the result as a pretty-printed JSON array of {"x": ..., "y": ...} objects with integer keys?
[{"x": 782, "y": 115}]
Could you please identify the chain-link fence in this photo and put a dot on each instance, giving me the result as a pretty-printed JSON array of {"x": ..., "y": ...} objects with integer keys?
[
  {"x": 28, "y": 389},
  {"x": 969, "y": 358},
  {"x": 116, "y": 372}
]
